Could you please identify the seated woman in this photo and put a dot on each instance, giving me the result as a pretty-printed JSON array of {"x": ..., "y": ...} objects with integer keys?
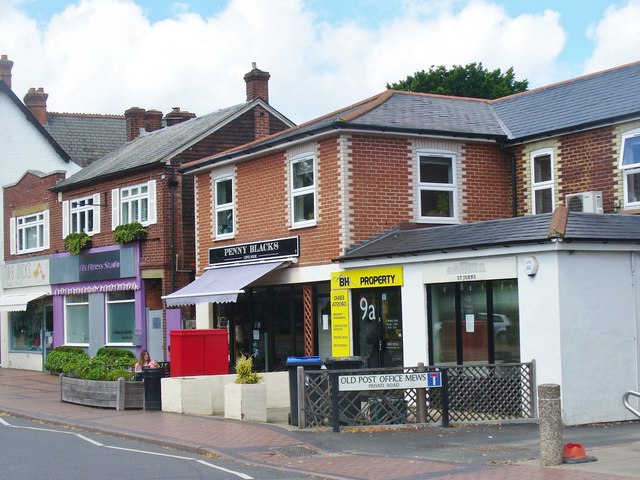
[{"x": 144, "y": 360}]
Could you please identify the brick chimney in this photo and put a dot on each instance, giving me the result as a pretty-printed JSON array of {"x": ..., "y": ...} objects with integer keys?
[
  {"x": 135, "y": 118},
  {"x": 153, "y": 120},
  {"x": 36, "y": 101},
  {"x": 5, "y": 70},
  {"x": 177, "y": 116},
  {"x": 257, "y": 84}
]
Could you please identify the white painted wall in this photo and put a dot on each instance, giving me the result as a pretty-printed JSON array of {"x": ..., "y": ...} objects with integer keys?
[
  {"x": 22, "y": 148},
  {"x": 598, "y": 302},
  {"x": 414, "y": 316}
]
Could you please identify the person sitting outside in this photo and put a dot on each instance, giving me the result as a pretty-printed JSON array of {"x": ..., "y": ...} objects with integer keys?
[{"x": 144, "y": 360}]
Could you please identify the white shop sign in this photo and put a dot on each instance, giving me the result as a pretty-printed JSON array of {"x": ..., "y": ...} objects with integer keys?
[{"x": 389, "y": 381}]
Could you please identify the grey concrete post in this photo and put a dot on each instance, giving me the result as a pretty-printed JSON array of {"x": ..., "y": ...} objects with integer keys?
[
  {"x": 302, "y": 420},
  {"x": 550, "y": 424},
  {"x": 421, "y": 394}
]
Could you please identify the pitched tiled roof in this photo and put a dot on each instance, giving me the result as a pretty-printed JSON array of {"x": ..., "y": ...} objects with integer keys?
[
  {"x": 589, "y": 100},
  {"x": 159, "y": 146},
  {"x": 580, "y": 227},
  {"x": 602, "y": 97},
  {"x": 87, "y": 137}
]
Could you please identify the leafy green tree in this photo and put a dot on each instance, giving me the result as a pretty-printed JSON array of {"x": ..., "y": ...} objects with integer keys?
[{"x": 472, "y": 80}]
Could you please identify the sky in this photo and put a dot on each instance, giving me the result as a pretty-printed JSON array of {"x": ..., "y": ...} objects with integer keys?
[{"x": 105, "y": 56}]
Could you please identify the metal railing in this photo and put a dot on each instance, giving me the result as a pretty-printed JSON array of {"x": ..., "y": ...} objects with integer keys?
[
  {"x": 467, "y": 394},
  {"x": 625, "y": 401}
]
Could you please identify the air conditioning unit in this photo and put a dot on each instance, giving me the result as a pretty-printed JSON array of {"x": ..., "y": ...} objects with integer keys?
[{"x": 588, "y": 202}]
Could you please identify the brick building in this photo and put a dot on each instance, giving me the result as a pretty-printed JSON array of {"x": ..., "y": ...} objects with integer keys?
[
  {"x": 110, "y": 294},
  {"x": 279, "y": 274}
]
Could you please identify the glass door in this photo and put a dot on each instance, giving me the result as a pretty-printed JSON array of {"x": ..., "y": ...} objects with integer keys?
[{"x": 378, "y": 326}]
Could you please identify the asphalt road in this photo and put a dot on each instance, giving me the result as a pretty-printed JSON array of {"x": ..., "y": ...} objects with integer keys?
[{"x": 36, "y": 450}]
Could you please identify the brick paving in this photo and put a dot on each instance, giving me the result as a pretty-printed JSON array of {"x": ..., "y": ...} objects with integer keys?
[{"x": 36, "y": 395}]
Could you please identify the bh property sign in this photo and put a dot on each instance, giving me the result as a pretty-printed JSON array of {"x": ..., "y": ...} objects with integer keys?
[{"x": 389, "y": 381}]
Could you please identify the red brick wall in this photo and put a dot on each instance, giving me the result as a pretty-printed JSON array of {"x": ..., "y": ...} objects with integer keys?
[
  {"x": 587, "y": 163},
  {"x": 487, "y": 183},
  {"x": 33, "y": 190},
  {"x": 381, "y": 192}
]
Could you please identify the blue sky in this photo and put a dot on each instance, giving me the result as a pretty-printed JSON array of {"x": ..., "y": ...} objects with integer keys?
[{"x": 103, "y": 56}]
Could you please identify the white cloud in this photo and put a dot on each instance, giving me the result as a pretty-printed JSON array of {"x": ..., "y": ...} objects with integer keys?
[
  {"x": 105, "y": 56},
  {"x": 616, "y": 36}
]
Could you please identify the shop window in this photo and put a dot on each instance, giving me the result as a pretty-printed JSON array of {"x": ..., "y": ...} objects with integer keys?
[
  {"x": 25, "y": 331},
  {"x": 224, "y": 207},
  {"x": 459, "y": 328},
  {"x": 81, "y": 215},
  {"x": 630, "y": 165},
  {"x": 303, "y": 191},
  {"x": 121, "y": 317},
  {"x": 135, "y": 203},
  {"x": 29, "y": 233},
  {"x": 542, "y": 181},
  {"x": 76, "y": 309},
  {"x": 437, "y": 187}
]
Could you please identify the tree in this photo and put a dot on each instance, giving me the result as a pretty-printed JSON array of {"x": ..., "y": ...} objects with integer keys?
[{"x": 472, "y": 80}]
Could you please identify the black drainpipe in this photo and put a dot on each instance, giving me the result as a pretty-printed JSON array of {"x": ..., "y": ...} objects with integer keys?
[{"x": 173, "y": 184}]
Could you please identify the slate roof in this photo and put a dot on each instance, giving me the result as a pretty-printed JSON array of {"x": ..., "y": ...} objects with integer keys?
[
  {"x": 4, "y": 88},
  {"x": 87, "y": 137},
  {"x": 580, "y": 227},
  {"x": 599, "y": 98},
  {"x": 159, "y": 146},
  {"x": 593, "y": 99}
]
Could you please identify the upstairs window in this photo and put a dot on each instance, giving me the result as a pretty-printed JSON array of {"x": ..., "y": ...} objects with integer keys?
[
  {"x": 29, "y": 233},
  {"x": 630, "y": 164},
  {"x": 437, "y": 187},
  {"x": 224, "y": 207},
  {"x": 303, "y": 191},
  {"x": 135, "y": 203},
  {"x": 542, "y": 181},
  {"x": 81, "y": 215}
]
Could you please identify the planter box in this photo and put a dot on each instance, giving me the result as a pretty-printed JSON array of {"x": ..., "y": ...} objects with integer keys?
[
  {"x": 119, "y": 394},
  {"x": 246, "y": 402}
]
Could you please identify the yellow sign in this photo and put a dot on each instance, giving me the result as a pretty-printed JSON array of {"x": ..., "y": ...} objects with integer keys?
[
  {"x": 340, "y": 344},
  {"x": 367, "y": 278}
]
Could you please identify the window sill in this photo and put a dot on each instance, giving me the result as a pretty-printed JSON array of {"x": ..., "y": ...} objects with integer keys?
[
  {"x": 220, "y": 238},
  {"x": 439, "y": 220},
  {"x": 298, "y": 226}
]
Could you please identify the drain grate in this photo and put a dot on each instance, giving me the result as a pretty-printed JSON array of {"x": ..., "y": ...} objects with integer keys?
[{"x": 295, "y": 451}]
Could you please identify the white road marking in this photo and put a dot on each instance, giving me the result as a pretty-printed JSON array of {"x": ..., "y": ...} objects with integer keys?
[{"x": 98, "y": 444}]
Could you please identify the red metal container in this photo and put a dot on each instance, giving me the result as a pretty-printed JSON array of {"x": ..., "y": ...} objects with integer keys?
[{"x": 199, "y": 352}]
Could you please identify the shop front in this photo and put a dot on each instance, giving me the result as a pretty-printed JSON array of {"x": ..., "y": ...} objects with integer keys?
[
  {"x": 366, "y": 310},
  {"x": 98, "y": 299},
  {"x": 26, "y": 314},
  {"x": 248, "y": 290}
]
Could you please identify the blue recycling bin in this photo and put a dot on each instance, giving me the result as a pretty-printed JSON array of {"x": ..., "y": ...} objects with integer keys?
[{"x": 308, "y": 363}]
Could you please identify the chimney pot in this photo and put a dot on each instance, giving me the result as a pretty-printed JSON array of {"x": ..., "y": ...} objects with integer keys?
[
  {"x": 257, "y": 84},
  {"x": 36, "y": 102},
  {"x": 135, "y": 119},
  {"x": 5, "y": 70},
  {"x": 177, "y": 116}
]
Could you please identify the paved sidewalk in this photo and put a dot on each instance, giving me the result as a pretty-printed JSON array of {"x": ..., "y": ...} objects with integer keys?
[{"x": 458, "y": 453}]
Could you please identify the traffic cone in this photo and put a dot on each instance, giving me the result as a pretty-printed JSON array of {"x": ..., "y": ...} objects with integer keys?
[{"x": 574, "y": 453}]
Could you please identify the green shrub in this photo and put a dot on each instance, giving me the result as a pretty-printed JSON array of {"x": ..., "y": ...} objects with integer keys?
[
  {"x": 116, "y": 356},
  {"x": 129, "y": 232},
  {"x": 60, "y": 357},
  {"x": 77, "y": 241},
  {"x": 244, "y": 371}
]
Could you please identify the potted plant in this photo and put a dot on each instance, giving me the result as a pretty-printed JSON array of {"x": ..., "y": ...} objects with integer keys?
[
  {"x": 246, "y": 398},
  {"x": 129, "y": 232},
  {"x": 74, "y": 242}
]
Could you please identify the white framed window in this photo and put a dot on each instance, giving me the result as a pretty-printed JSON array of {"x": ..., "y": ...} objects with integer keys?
[
  {"x": 542, "y": 181},
  {"x": 630, "y": 165},
  {"x": 76, "y": 319},
  {"x": 135, "y": 203},
  {"x": 303, "y": 191},
  {"x": 121, "y": 317},
  {"x": 29, "y": 233},
  {"x": 81, "y": 215},
  {"x": 437, "y": 190},
  {"x": 224, "y": 207}
]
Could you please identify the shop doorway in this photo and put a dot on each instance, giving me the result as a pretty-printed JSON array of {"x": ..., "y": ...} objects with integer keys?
[
  {"x": 377, "y": 326},
  {"x": 474, "y": 322}
]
